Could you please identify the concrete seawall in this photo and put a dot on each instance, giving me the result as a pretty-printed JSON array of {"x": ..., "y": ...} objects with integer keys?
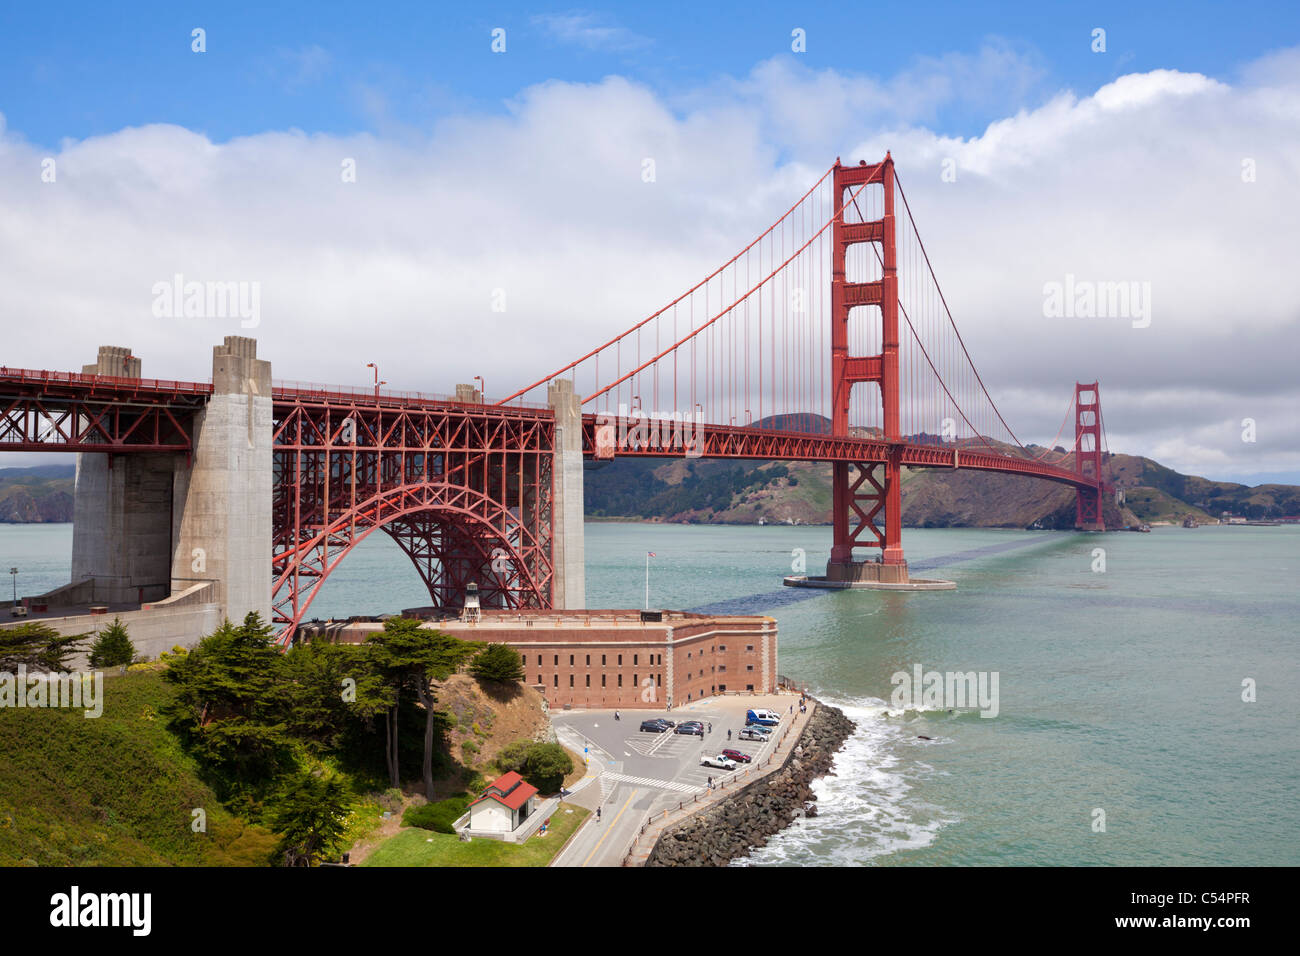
[{"x": 749, "y": 817}]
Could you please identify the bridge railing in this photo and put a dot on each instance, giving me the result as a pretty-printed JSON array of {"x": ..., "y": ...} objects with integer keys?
[
  {"x": 49, "y": 377},
  {"x": 283, "y": 389}
]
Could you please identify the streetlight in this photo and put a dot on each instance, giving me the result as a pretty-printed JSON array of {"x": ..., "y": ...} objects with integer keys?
[
  {"x": 377, "y": 382},
  {"x": 14, "y": 572}
]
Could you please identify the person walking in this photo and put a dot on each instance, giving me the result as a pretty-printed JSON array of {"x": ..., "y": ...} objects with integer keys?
[
  {"x": 616, "y": 715},
  {"x": 710, "y": 727},
  {"x": 598, "y": 814},
  {"x": 728, "y": 733}
]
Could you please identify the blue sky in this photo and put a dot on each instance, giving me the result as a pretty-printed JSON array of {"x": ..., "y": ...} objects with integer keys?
[
  {"x": 83, "y": 69},
  {"x": 481, "y": 171}
]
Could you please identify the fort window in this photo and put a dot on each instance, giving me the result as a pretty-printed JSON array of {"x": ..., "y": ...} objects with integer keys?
[
  {"x": 570, "y": 660},
  {"x": 570, "y": 680},
  {"x": 557, "y": 660},
  {"x": 749, "y": 687},
  {"x": 749, "y": 647},
  {"x": 602, "y": 660},
  {"x": 634, "y": 657},
  {"x": 602, "y": 680},
  {"x": 620, "y": 660},
  {"x": 588, "y": 660},
  {"x": 588, "y": 680},
  {"x": 557, "y": 680},
  {"x": 620, "y": 680}
]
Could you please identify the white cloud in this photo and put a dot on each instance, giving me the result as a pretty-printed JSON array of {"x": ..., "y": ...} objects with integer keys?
[
  {"x": 590, "y": 32},
  {"x": 1139, "y": 181}
]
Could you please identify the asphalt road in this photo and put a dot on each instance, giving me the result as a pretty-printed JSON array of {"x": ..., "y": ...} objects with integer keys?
[{"x": 643, "y": 772}]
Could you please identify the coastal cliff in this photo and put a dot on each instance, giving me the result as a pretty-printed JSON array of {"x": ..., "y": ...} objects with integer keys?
[{"x": 748, "y": 818}]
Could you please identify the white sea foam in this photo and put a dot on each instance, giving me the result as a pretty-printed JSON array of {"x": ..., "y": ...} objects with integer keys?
[{"x": 869, "y": 808}]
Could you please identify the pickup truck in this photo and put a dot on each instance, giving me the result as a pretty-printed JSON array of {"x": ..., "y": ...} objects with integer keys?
[{"x": 721, "y": 762}]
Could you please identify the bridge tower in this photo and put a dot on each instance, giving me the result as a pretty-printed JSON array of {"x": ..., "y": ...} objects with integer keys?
[
  {"x": 862, "y": 491},
  {"x": 1087, "y": 456}
]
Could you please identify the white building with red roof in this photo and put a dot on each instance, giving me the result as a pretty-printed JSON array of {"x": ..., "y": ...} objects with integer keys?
[{"x": 504, "y": 806}]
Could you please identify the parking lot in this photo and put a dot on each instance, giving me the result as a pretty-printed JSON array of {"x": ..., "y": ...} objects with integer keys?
[{"x": 642, "y": 772}]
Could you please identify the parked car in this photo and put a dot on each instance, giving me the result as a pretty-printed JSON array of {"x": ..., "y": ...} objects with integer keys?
[
  {"x": 654, "y": 726},
  {"x": 691, "y": 728},
  {"x": 753, "y": 733},
  {"x": 737, "y": 756},
  {"x": 767, "y": 718},
  {"x": 721, "y": 762}
]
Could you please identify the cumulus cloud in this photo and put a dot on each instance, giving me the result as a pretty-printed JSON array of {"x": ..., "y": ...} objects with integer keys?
[{"x": 1141, "y": 180}]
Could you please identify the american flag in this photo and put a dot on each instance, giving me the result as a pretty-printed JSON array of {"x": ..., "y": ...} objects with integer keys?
[{"x": 652, "y": 554}]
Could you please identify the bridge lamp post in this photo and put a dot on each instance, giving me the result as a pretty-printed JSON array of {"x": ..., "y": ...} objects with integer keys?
[
  {"x": 14, "y": 574},
  {"x": 482, "y": 388},
  {"x": 377, "y": 382}
]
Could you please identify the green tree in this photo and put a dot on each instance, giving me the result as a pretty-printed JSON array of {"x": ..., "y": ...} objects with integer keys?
[
  {"x": 498, "y": 662},
  {"x": 112, "y": 647},
  {"x": 546, "y": 767},
  {"x": 543, "y": 765},
  {"x": 411, "y": 657},
  {"x": 310, "y": 815},
  {"x": 333, "y": 689},
  {"x": 230, "y": 702},
  {"x": 38, "y": 646}
]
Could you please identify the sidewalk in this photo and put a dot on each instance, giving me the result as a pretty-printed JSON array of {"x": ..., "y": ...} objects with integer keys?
[{"x": 644, "y": 842}]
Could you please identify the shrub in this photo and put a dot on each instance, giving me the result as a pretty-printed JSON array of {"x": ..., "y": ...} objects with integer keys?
[
  {"x": 498, "y": 662},
  {"x": 113, "y": 647},
  {"x": 439, "y": 816},
  {"x": 546, "y": 767}
]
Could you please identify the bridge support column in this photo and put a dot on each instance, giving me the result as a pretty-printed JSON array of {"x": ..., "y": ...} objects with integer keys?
[
  {"x": 222, "y": 500},
  {"x": 568, "y": 549},
  {"x": 1087, "y": 456},
  {"x": 121, "y": 526}
]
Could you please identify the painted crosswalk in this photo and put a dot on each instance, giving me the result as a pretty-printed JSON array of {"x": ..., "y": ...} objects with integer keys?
[{"x": 649, "y": 782}]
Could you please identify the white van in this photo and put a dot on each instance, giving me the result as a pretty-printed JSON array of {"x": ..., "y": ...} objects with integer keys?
[{"x": 765, "y": 718}]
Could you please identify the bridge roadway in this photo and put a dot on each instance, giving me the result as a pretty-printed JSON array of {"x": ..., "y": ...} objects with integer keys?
[{"x": 72, "y": 411}]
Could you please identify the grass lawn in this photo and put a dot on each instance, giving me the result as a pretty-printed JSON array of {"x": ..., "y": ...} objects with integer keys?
[{"x": 416, "y": 847}]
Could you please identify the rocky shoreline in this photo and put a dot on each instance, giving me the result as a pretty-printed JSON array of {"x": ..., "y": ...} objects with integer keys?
[{"x": 748, "y": 818}]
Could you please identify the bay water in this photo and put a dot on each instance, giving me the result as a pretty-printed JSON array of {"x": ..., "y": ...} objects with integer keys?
[{"x": 1121, "y": 735}]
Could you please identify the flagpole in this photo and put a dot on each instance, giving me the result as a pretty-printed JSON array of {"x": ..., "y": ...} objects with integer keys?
[{"x": 647, "y": 580}]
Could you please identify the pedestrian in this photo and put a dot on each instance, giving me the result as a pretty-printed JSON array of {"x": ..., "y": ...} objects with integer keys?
[
  {"x": 598, "y": 814},
  {"x": 616, "y": 715},
  {"x": 710, "y": 783},
  {"x": 728, "y": 733},
  {"x": 710, "y": 727}
]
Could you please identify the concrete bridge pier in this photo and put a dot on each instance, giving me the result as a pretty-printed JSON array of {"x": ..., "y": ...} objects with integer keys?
[
  {"x": 221, "y": 502},
  {"x": 568, "y": 550},
  {"x": 121, "y": 531}
]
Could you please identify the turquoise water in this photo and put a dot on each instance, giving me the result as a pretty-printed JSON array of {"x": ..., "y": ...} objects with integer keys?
[{"x": 1119, "y": 691}]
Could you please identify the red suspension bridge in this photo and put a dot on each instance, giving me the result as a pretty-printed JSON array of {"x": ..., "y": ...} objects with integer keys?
[{"x": 827, "y": 338}]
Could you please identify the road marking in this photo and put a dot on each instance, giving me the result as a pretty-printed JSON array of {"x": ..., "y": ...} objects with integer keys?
[
  {"x": 652, "y": 782},
  {"x": 610, "y": 827}
]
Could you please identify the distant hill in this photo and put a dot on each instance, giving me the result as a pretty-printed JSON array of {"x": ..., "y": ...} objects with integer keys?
[
  {"x": 743, "y": 492},
  {"x": 750, "y": 492},
  {"x": 39, "y": 494}
]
